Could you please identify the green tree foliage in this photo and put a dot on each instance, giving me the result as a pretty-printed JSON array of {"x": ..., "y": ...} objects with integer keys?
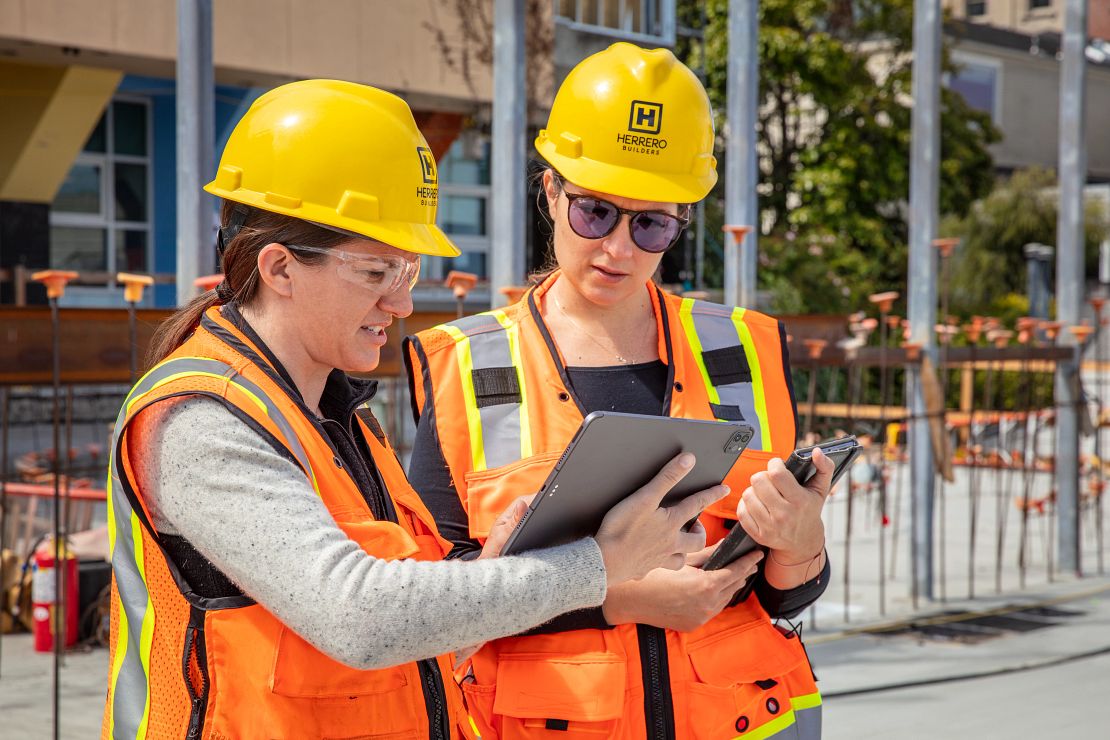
[
  {"x": 988, "y": 273},
  {"x": 834, "y": 139}
]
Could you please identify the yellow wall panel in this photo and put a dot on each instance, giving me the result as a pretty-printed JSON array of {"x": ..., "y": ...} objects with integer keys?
[{"x": 49, "y": 113}]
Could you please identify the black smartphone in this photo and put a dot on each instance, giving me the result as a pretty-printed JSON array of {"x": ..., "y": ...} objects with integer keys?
[
  {"x": 843, "y": 452},
  {"x": 737, "y": 542}
]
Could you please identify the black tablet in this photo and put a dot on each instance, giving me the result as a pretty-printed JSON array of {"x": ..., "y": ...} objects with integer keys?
[{"x": 612, "y": 456}]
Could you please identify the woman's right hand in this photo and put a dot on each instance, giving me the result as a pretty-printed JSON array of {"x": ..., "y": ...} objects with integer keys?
[{"x": 638, "y": 536}]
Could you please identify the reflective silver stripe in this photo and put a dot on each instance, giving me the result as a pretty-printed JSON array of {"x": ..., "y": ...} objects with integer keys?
[
  {"x": 716, "y": 330},
  {"x": 129, "y": 693},
  {"x": 131, "y": 683},
  {"x": 130, "y": 687},
  {"x": 808, "y": 722},
  {"x": 489, "y": 348}
]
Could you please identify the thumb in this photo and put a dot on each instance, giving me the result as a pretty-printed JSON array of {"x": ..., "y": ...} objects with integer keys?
[
  {"x": 821, "y": 481},
  {"x": 504, "y": 525},
  {"x": 698, "y": 559}
]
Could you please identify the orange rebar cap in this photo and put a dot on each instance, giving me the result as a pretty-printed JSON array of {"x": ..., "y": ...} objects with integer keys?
[
  {"x": 209, "y": 282},
  {"x": 133, "y": 285},
  {"x": 885, "y": 301},
  {"x": 738, "y": 232},
  {"x": 54, "y": 280},
  {"x": 513, "y": 293},
  {"x": 460, "y": 282}
]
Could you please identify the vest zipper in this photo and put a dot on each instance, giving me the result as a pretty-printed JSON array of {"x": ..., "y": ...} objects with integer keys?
[
  {"x": 658, "y": 708},
  {"x": 195, "y": 647},
  {"x": 435, "y": 700}
]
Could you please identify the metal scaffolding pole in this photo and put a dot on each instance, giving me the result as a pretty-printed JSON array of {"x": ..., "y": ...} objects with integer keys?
[
  {"x": 1069, "y": 275},
  {"x": 509, "y": 123},
  {"x": 741, "y": 158},
  {"x": 196, "y": 252},
  {"x": 924, "y": 184}
]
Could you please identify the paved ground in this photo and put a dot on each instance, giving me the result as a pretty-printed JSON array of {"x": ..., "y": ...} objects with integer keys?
[
  {"x": 1065, "y": 701},
  {"x": 26, "y": 694}
]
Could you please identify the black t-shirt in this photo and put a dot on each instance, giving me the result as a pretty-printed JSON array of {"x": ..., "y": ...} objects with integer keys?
[{"x": 634, "y": 389}]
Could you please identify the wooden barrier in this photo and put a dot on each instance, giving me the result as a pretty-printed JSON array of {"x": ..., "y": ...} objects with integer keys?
[{"x": 95, "y": 349}]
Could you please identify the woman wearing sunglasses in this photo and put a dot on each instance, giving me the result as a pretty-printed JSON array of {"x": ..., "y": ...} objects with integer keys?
[
  {"x": 272, "y": 573},
  {"x": 629, "y": 145}
]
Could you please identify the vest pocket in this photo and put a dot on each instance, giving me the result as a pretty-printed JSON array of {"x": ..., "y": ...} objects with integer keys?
[
  {"x": 383, "y": 540},
  {"x": 302, "y": 671},
  {"x": 741, "y": 680},
  {"x": 489, "y": 492},
  {"x": 579, "y": 695}
]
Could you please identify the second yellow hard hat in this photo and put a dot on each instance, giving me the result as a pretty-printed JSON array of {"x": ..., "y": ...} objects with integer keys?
[
  {"x": 339, "y": 154},
  {"x": 633, "y": 122}
]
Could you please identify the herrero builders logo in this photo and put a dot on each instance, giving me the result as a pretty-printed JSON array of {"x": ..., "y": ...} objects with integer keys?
[
  {"x": 645, "y": 120},
  {"x": 428, "y": 193}
]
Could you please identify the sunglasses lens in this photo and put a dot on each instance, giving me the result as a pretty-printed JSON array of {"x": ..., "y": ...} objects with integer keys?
[
  {"x": 592, "y": 219},
  {"x": 654, "y": 232}
]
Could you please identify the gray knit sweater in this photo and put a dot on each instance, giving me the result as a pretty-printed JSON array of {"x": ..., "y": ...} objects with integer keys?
[{"x": 209, "y": 477}]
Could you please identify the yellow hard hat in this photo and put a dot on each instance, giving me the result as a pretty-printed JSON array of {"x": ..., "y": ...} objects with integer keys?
[
  {"x": 633, "y": 122},
  {"x": 339, "y": 154}
]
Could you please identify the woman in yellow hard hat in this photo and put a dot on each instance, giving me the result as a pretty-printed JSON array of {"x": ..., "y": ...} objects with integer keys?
[
  {"x": 629, "y": 145},
  {"x": 272, "y": 567}
]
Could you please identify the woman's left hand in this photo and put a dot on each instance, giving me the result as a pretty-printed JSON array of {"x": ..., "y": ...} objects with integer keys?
[{"x": 782, "y": 514}]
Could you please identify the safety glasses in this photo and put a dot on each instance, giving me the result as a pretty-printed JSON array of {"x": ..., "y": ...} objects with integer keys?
[
  {"x": 380, "y": 273},
  {"x": 593, "y": 218}
]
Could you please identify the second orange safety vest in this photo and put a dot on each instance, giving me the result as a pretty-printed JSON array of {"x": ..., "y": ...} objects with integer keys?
[
  {"x": 183, "y": 665},
  {"x": 504, "y": 412}
]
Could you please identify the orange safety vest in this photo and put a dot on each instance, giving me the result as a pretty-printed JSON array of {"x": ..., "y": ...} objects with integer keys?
[
  {"x": 504, "y": 412},
  {"x": 187, "y": 666}
]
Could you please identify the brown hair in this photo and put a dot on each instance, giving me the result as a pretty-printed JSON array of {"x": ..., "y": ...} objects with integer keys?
[
  {"x": 239, "y": 264},
  {"x": 550, "y": 264}
]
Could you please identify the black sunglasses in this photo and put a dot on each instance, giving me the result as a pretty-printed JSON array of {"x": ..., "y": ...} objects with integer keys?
[{"x": 593, "y": 218}]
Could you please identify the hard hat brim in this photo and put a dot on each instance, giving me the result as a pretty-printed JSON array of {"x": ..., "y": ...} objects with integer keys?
[
  {"x": 410, "y": 237},
  {"x": 628, "y": 182}
]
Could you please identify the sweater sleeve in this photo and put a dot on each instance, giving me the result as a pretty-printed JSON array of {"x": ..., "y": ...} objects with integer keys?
[{"x": 251, "y": 512}]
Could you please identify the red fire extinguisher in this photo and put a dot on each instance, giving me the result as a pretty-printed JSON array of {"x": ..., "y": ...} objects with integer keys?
[{"x": 42, "y": 598}]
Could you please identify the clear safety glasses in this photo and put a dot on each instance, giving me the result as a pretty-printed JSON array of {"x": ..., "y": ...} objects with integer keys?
[{"x": 380, "y": 273}]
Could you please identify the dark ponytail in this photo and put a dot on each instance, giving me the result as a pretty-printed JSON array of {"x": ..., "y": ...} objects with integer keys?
[{"x": 240, "y": 267}]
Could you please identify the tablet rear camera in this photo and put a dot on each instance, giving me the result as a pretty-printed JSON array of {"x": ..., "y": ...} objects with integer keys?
[{"x": 737, "y": 442}]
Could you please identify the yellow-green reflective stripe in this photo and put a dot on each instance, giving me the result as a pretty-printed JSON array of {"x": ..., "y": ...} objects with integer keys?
[
  {"x": 757, "y": 376},
  {"x": 291, "y": 440},
  {"x": 192, "y": 373},
  {"x": 686, "y": 315},
  {"x": 806, "y": 701},
  {"x": 147, "y": 634},
  {"x": 473, "y": 418},
  {"x": 778, "y": 724},
  {"x": 513, "y": 332}
]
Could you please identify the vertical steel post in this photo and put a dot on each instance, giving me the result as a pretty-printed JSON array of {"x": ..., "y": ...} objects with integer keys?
[
  {"x": 4, "y": 517},
  {"x": 508, "y": 163},
  {"x": 741, "y": 157},
  {"x": 60, "y": 569},
  {"x": 196, "y": 253},
  {"x": 1069, "y": 274},
  {"x": 924, "y": 184}
]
